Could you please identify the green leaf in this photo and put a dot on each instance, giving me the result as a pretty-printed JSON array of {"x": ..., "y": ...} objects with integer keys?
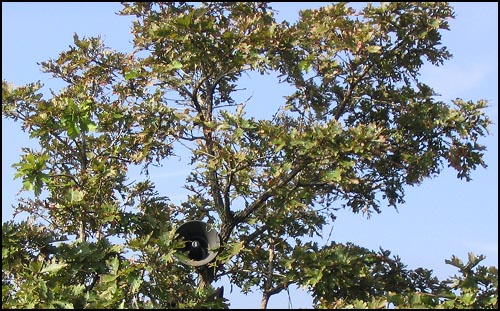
[
  {"x": 53, "y": 267},
  {"x": 181, "y": 256},
  {"x": 185, "y": 20},
  {"x": 28, "y": 185},
  {"x": 131, "y": 75},
  {"x": 73, "y": 130},
  {"x": 135, "y": 284},
  {"x": 109, "y": 278},
  {"x": 91, "y": 127},
  {"x": 373, "y": 49},
  {"x": 473, "y": 259},
  {"x": 114, "y": 265},
  {"x": 468, "y": 298},
  {"x": 75, "y": 195},
  {"x": 305, "y": 65},
  {"x": 435, "y": 23},
  {"x": 333, "y": 176},
  {"x": 176, "y": 64},
  {"x": 359, "y": 304},
  {"x": 77, "y": 290},
  {"x": 5, "y": 252}
]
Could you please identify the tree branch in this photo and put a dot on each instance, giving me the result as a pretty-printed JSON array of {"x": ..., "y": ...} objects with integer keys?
[
  {"x": 350, "y": 90},
  {"x": 254, "y": 234},
  {"x": 67, "y": 176},
  {"x": 269, "y": 281},
  {"x": 244, "y": 214}
]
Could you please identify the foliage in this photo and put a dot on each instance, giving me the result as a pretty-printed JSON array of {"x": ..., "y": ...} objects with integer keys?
[
  {"x": 356, "y": 129},
  {"x": 390, "y": 284}
]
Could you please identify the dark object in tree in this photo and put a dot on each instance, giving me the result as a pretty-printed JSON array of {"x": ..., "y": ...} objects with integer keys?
[{"x": 201, "y": 243}]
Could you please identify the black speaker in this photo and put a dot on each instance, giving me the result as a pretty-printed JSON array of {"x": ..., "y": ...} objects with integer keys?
[{"x": 201, "y": 244}]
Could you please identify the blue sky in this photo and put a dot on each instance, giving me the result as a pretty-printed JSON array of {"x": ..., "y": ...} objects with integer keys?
[{"x": 441, "y": 217}]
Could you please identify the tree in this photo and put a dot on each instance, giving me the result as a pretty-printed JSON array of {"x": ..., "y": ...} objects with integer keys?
[{"x": 358, "y": 128}]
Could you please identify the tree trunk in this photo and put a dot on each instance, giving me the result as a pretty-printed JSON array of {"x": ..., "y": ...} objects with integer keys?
[
  {"x": 264, "y": 301},
  {"x": 82, "y": 236},
  {"x": 207, "y": 276}
]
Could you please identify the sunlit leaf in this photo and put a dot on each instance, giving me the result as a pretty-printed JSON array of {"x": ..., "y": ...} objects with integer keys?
[{"x": 54, "y": 267}]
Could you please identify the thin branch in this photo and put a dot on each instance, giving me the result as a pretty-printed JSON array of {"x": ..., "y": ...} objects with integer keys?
[
  {"x": 255, "y": 234},
  {"x": 227, "y": 192},
  {"x": 276, "y": 290},
  {"x": 269, "y": 278},
  {"x": 244, "y": 214},
  {"x": 67, "y": 176},
  {"x": 350, "y": 90}
]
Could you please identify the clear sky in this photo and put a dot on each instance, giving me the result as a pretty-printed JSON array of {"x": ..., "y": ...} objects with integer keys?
[{"x": 444, "y": 216}]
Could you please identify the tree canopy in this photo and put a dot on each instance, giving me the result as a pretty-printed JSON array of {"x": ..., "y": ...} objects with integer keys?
[{"x": 358, "y": 127}]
